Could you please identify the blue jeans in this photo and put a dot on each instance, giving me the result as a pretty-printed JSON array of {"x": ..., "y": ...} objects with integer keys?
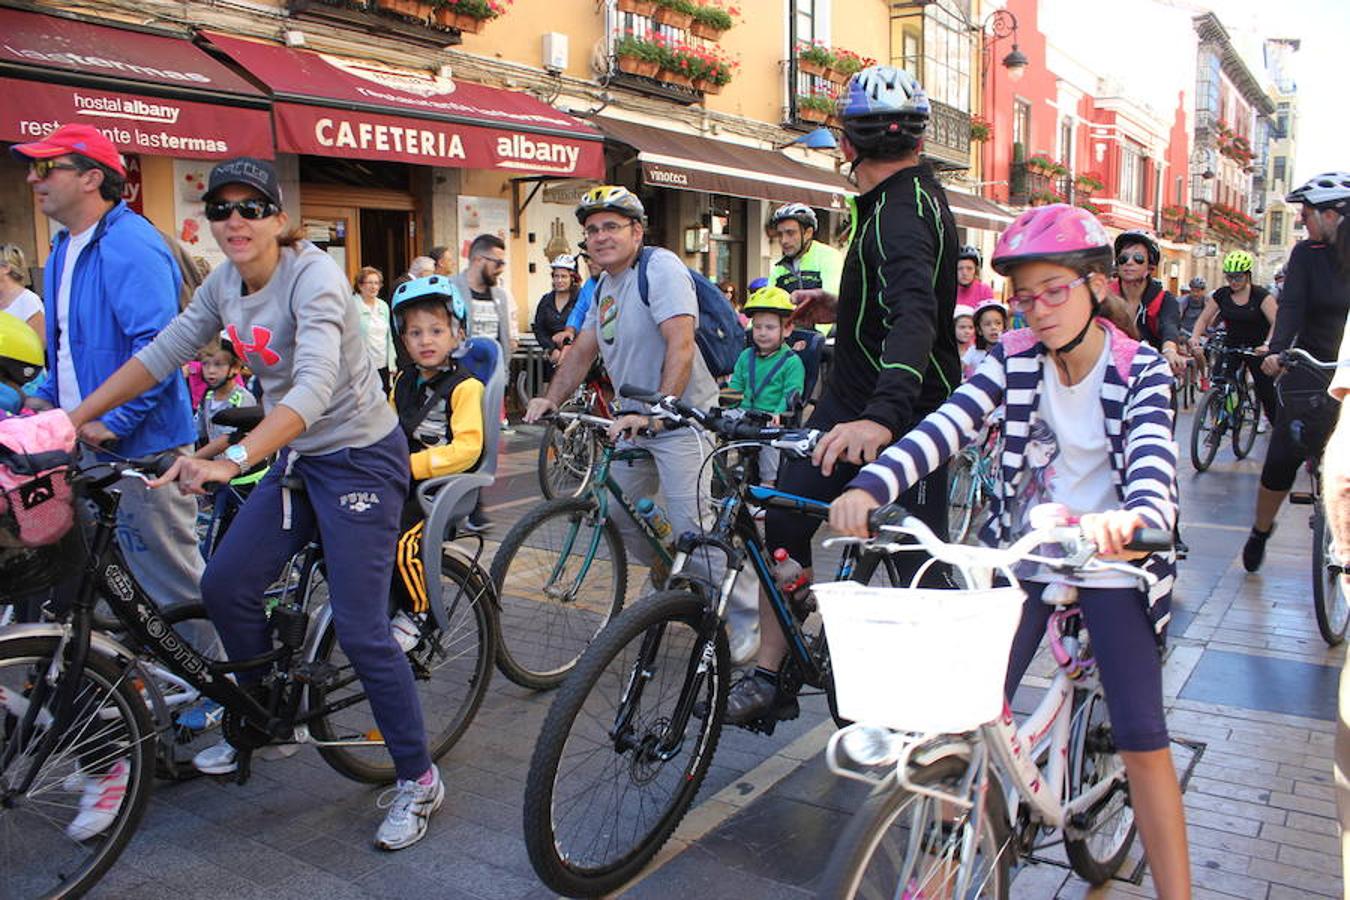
[{"x": 352, "y": 500}]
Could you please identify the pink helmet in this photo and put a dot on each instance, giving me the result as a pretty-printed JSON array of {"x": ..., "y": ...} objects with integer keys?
[
  {"x": 992, "y": 303},
  {"x": 963, "y": 310},
  {"x": 1056, "y": 233}
]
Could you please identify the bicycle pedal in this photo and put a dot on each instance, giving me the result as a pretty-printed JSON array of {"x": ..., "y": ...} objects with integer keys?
[
  {"x": 316, "y": 673},
  {"x": 1301, "y": 498}
]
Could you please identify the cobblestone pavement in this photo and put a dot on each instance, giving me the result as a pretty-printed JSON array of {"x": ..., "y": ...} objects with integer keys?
[{"x": 1247, "y": 675}]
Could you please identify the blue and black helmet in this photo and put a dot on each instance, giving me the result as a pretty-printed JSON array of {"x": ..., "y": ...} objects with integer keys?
[
  {"x": 425, "y": 289},
  {"x": 883, "y": 106}
]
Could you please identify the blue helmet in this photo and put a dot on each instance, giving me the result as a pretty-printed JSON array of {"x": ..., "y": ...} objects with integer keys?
[
  {"x": 883, "y": 108},
  {"x": 758, "y": 283},
  {"x": 429, "y": 287}
]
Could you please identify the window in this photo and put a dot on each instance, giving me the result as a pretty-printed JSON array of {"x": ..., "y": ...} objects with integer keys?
[
  {"x": 1279, "y": 170},
  {"x": 1276, "y": 235},
  {"x": 1282, "y": 120},
  {"x": 1132, "y": 174},
  {"x": 1022, "y": 125},
  {"x": 1066, "y": 142},
  {"x": 935, "y": 47},
  {"x": 806, "y": 20}
]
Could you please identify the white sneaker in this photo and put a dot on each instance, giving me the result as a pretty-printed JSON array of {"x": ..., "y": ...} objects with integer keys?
[
  {"x": 218, "y": 759},
  {"x": 102, "y": 798},
  {"x": 405, "y": 631},
  {"x": 410, "y": 805}
]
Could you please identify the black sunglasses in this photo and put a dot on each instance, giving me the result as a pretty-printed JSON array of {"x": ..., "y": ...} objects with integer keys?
[
  {"x": 44, "y": 167},
  {"x": 220, "y": 210},
  {"x": 1130, "y": 257}
]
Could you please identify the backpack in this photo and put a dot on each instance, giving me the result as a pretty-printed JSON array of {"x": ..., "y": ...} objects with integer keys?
[
  {"x": 719, "y": 335},
  {"x": 36, "y": 503}
]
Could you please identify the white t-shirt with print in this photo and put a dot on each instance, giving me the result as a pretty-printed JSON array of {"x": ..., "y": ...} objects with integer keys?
[
  {"x": 1068, "y": 456},
  {"x": 66, "y": 382}
]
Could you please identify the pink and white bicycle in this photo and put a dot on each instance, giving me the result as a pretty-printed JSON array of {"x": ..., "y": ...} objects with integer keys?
[{"x": 960, "y": 789}]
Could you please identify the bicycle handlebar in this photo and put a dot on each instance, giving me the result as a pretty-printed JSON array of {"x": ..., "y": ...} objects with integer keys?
[
  {"x": 1080, "y": 552},
  {"x": 798, "y": 441},
  {"x": 1296, "y": 356}
]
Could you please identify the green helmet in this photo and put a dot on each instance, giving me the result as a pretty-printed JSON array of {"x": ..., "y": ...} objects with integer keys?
[{"x": 1238, "y": 261}]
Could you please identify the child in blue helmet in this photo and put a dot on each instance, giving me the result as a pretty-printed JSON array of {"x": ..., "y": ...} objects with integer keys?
[{"x": 440, "y": 409}]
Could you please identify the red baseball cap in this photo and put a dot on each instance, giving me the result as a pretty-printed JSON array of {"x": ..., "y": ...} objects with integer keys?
[{"x": 83, "y": 140}]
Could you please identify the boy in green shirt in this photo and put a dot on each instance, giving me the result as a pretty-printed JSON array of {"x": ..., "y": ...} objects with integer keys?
[{"x": 769, "y": 373}]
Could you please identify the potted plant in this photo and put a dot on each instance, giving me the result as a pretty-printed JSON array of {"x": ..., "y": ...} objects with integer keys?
[
  {"x": 413, "y": 9},
  {"x": 713, "y": 72},
  {"x": 711, "y": 20},
  {"x": 844, "y": 64},
  {"x": 1087, "y": 182},
  {"x": 675, "y": 13},
  {"x": 980, "y": 129},
  {"x": 1041, "y": 164},
  {"x": 638, "y": 57},
  {"x": 815, "y": 108},
  {"x": 679, "y": 64},
  {"x": 814, "y": 58},
  {"x": 468, "y": 15},
  {"x": 638, "y": 7}
]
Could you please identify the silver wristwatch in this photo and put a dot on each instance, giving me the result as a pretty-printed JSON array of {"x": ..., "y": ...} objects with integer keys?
[{"x": 237, "y": 454}]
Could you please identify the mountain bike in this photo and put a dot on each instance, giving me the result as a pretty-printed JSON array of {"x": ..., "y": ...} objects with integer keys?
[
  {"x": 568, "y": 451},
  {"x": 630, "y": 736},
  {"x": 973, "y": 480},
  {"x": 958, "y": 789},
  {"x": 1230, "y": 405},
  {"x": 1330, "y": 603},
  {"x": 76, "y": 703}
]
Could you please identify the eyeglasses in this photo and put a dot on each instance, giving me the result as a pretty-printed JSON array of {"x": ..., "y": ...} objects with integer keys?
[
  {"x": 494, "y": 260},
  {"x": 1055, "y": 295},
  {"x": 608, "y": 229},
  {"x": 220, "y": 210},
  {"x": 44, "y": 167},
  {"x": 1236, "y": 276},
  {"x": 1124, "y": 258}
]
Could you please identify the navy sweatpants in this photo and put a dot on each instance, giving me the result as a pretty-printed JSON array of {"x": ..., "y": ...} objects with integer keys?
[{"x": 352, "y": 500}]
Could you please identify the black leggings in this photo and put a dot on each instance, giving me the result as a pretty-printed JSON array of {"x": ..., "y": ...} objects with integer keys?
[{"x": 1302, "y": 428}]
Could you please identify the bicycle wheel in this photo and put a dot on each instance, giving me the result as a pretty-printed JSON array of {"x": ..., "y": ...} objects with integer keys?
[
  {"x": 561, "y": 575},
  {"x": 109, "y": 735},
  {"x": 1246, "y": 421},
  {"x": 609, "y": 780},
  {"x": 1098, "y": 842},
  {"x": 451, "y": 670},
  {"x": 1329, "y": 600},
  {"x": 1207, "y": 428},
  {"x": 900, "y": 844},
  {"x": 960, "y": 498},
  {"x": 566, "y": 455}
]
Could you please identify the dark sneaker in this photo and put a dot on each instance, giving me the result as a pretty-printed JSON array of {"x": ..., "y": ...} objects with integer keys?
[
  {"x": 756, "y": 696},
  {"x": 1254, "y": 551}
]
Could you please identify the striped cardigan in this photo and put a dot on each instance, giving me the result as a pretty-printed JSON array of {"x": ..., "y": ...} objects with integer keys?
[{"x": 1137, "y": 416}]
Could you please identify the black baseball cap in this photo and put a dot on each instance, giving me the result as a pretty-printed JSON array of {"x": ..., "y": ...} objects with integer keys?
[{"x": 258, "y": 174}]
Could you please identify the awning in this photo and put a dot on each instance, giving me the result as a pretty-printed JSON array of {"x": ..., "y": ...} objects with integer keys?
[
  {"x": 971, "y": 211},
  {"x": 335, "y": 106},
  {"x": 694, "y": 163},
  {"x": 148, "y": 93}
]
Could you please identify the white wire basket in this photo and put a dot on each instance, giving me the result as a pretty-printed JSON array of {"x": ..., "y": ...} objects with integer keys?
[{"x": 916, "y": 659}]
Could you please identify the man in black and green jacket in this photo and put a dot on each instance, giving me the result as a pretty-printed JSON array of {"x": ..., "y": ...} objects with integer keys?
[{"x": 895, "y": 355}]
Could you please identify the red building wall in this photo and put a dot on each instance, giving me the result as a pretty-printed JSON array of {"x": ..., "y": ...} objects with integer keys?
[{"x": 1037, "y": 86}]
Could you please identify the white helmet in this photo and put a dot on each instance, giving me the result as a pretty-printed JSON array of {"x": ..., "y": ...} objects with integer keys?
[
  {"x": 962, "y": 310},
  {"x": 992, "y": 303},
  {"x": 798, "y": 212},
  {"x": 564, "y": 261},
  {"x": 1330, "y": 190}
]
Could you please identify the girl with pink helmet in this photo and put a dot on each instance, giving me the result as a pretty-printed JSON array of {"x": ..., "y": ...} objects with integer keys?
[{"x": 1074, "y": 382}]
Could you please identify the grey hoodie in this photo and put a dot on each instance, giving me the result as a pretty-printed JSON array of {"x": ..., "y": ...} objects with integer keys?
[{"x": 301, "y": 335}]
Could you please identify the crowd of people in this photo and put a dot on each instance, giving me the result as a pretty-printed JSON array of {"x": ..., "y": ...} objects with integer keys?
[{"x": 364, "y": 397}]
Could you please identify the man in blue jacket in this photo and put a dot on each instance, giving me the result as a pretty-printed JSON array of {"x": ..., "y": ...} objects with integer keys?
[{"x": 111, "y": 285}]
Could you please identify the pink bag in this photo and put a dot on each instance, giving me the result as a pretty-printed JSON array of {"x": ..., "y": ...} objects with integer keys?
[{"x": 36, "y": 502}]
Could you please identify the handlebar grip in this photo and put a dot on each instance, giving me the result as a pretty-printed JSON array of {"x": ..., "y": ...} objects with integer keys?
[
  {"x": 889, "y": 514},
  {"x": 1150, "y": 540},
  {"x": 642, "y": 394}
]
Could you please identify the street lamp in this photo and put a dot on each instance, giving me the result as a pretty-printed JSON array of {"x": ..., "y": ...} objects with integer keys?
[{"x": 998, "y": 25}]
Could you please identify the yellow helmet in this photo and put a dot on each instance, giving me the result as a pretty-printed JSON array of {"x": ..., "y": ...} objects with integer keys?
[
  {"x": 21, "y": 354},
  {"x": 1238, "y": 261},
  {"x": 769, "y": 299},
  {"x": 610, "y": 198}
]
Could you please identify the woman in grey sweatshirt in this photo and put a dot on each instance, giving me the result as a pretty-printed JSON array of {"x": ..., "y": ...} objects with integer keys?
[{"x": 285, "y": 306}]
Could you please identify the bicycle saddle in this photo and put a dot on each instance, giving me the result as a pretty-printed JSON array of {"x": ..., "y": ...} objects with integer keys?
[{"x": 242, "y": 419}]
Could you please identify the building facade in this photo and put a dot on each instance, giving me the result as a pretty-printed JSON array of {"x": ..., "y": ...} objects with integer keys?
[{"x": 1279, "y": 220}]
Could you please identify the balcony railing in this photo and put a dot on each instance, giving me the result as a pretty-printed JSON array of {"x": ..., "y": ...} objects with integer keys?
[{"x": 948, "y": 140}]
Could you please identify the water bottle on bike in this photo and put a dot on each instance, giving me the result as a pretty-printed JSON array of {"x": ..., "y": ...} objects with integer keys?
[
  {"x": 655, "y": 517},
  {"x": 793, "y": 582}
]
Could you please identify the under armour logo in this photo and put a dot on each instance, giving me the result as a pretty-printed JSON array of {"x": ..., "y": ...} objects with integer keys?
[{"x": 261, "y": 337}]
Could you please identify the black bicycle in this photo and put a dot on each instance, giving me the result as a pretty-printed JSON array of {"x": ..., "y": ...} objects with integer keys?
[
  {"x": 1229, "y": 406},
  {"x": 630, "y": 736},
  {"x": 75, "y": 702}
]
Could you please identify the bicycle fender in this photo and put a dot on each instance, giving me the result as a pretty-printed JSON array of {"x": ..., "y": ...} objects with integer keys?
[{"x": 99, "y": 642}]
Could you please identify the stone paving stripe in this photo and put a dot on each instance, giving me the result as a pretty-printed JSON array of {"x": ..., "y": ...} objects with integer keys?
[{"x": 1266, "y": 683}]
